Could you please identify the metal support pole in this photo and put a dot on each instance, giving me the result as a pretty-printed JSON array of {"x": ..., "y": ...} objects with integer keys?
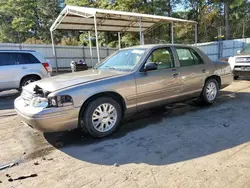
[
  {"x": 220, "y": 43},
  {"x": 142, "y": 38},
  {"x": 243, "y": 32},
  {"x": 119, "y": 40},
  {"x": 172, "y": 33},
  {"x": 196, "y": 34},
  {"x": 83, "y": 49},
  {"x": 96, "y": 38},
  {"x": 90, "y": 50},
  {"x": 140, "y": 30},
  {"x": 54, "y": 50}
]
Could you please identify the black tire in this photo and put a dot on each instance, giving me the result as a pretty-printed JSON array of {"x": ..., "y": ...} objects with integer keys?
[
  {"x": 27, "y": 79},
  {"x": 236, "y": 77},
  {"x": 87, "y": 113},
  {"x": 204, "y": 97}
]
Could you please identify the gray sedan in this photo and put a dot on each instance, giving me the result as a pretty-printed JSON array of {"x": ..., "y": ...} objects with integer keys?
[{"x": 129, "y": 81}]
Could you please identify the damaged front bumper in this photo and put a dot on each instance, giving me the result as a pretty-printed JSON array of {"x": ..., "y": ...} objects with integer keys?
[{"x": 47, "y": 119}]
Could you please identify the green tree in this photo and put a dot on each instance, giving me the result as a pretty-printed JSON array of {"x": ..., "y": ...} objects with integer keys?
[
  {"x": 232, "y": 8},
  {"x": 20, "y": 17},
  {"x": 24, "y": 19},
  {"x": 240, "y": 19},
  {"x": 47, "y": 12}
]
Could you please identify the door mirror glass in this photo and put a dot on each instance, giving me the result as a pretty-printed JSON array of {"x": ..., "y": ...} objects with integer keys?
[{"x": 150, "y": 66}]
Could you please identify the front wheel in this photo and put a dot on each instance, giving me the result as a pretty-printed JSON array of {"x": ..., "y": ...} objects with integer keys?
[
  {"x": 101, "y": 117},
  {"x": 210, "y": 91}
]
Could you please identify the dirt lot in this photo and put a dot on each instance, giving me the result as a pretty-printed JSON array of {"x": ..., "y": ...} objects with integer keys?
[{"x": 183, "y": 146}]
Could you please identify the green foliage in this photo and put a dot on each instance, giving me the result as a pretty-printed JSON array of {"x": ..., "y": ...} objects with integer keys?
[
  {"x": 24, "y": 19},
  {"x": 85, "y": 3},
  {"x": 69, "y": 41},
  {"x": 47, "y": 12}
]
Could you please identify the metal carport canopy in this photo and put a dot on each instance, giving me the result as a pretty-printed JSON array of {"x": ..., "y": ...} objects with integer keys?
[
  {"x": 82, "y": 18},
  {"x": 93, "y": 19}
]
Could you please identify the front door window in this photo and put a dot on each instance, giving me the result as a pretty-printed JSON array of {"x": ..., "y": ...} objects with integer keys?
[{"x": 163, "y": 57}]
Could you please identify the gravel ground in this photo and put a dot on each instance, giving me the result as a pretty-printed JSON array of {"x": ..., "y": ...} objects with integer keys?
[{"x": 181, "y": 146}]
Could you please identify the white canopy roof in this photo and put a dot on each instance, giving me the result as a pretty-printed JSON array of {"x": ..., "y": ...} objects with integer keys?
[
  {"x": 92, "y": 19},
  {"x": 82, "y": 18}
]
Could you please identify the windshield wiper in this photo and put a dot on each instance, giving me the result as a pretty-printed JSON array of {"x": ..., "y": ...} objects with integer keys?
[{"x": 112, "y": 68}]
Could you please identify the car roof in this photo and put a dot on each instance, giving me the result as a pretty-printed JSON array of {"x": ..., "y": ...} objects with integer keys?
[
  {"x": 148, "y": 46},
  {"x": 17, "y": 51}
]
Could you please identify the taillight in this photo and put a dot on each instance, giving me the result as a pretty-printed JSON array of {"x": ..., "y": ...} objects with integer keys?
[{"x": 46, "y": 66}]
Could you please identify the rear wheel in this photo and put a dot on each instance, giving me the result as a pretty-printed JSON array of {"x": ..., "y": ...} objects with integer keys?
[
  {"x": 27, "y": 80},
  {"x": 210, "y": 91},
  {"x": 101, "y": 117}
]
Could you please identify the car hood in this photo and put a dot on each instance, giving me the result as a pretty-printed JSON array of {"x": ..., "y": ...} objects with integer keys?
[
  {"x": 244, "y": 54},
  {"x": 67, "y": 80}
]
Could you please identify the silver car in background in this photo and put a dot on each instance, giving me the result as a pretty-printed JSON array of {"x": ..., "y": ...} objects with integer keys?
[
  {"x": 18, "y": 68},
  {"x": 240, "y": 63},
  {"x": 129, "y": 81}
]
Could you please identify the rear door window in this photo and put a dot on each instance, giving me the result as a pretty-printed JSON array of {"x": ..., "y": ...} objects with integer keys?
[
  {"x": 27, "y": 58},
  {"x": 197, "y": 58},
  {"x": 8, "y": 59},
  {"x": 185, "y": 57},
  {"x": 188, "y": 57}
]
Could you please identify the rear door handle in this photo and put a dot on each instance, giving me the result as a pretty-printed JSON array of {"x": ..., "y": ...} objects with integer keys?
[
  {"x": 204, "y": 70},
  {"x": 176, "y": 74},
  {"x": 24, "y": 67}
]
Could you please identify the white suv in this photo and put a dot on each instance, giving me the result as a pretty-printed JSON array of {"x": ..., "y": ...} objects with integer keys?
[
  {"x": 240, "y": 63},
  {"x": 19, "y": 68}
]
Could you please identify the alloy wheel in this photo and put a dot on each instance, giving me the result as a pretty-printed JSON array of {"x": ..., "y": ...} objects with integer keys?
[
  {"x": 28, "y": 82},
  {"x": 104, "y": 117},
  {"x": 211, "y": 91}
]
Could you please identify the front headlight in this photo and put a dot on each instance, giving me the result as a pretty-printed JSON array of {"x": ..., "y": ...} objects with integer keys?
[
  {"x": 56, "y": 101},
  {"x": 59, "y": 101},
  {"x": 39, "y": 102}
]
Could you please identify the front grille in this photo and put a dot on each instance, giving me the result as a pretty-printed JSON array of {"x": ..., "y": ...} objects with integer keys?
[
  {"x": 242, "y": 60},
  {"x": 26, "y": 96}
]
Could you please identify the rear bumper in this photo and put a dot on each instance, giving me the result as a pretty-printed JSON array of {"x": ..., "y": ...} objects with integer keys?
[{"x": 47, "y": 120}]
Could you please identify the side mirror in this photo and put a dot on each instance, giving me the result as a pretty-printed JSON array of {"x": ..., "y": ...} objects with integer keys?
[
  {"x": 238, "y": 52},
  {"x": 150, "y": 66}
]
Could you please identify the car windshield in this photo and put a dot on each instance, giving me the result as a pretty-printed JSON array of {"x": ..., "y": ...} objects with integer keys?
[
  {"x": 124, "y": 60},
  {"x": 246, "y": 49}
]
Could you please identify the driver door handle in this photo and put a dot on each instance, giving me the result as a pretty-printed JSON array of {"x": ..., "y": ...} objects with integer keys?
[
  {"x": 176, "y": 74},
  {"x": 204, "y": 70},
  {"x": 24, "y": 67}
]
